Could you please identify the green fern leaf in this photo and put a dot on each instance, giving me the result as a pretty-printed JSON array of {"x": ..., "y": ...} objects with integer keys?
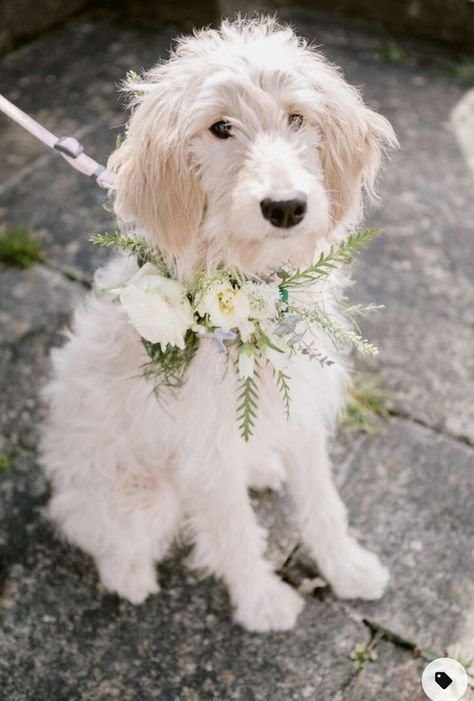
[
  {"x": 247, "y": 407},
  {"x": 343, "y": 254},
  {"x": 282, "y": 381},
  {"x": 144, "y": 250}
]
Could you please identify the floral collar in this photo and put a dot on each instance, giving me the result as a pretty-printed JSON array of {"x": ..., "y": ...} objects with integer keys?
[{"x": 261, "y": 319}]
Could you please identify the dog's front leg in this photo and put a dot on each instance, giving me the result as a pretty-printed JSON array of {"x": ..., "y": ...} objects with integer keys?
[
  {"x": 230, "y": 543},
  {"x": 352, "y": 571}
]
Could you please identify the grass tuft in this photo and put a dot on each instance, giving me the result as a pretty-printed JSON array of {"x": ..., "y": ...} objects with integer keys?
[
  {"x": 6, "y": 459},
  {"x": 463, "y": 71},
  {"x": 363, "y": 654},
  {"x": 369, "y": 402},
  {"x": 392, "y": 52},
  {"x": 19, "y": 248}
]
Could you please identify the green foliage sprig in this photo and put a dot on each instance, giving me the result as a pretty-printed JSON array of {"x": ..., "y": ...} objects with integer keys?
[
  {"x": 341, "y": 255},
  {"x": 167, "y": 369},
  {"x": 247, "y": 406},
  {"x": 339, "y": 334},
  {"x": 137, "y": 246},
  {"x": 283, "y": 385}
]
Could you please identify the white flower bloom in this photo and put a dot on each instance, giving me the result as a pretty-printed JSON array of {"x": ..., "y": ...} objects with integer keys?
[
  {"x": 263, "y": 300},
  {"x": 157, "y": 307},
  {"x": 227, "y": 307},
  {"x": 246, "y": 362}
]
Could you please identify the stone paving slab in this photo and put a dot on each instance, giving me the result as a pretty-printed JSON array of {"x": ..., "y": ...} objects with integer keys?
[
  {"x": 62, "y": 638},
  {"x": 395, "y": 676},
  {"x": 411, "y": 496},
  {"x": 31, "y": 299}
]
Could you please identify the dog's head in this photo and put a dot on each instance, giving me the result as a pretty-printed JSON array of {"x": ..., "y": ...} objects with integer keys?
[{"x": 246, "y": 145}]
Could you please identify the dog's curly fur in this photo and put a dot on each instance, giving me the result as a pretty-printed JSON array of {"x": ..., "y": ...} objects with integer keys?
[{"x": 128, "y": 471}]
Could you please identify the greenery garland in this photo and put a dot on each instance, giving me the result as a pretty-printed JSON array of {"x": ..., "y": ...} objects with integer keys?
[{"x": 262, "y": 318}]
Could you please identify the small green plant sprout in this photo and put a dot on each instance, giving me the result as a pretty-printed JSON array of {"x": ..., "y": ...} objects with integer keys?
[
  {"x": 6, "y": 459},
  {"x": 463, "y": 71},
  {"x": 363, "y": 654},
  {"x": 19, "y": 248},
  {"x": 369, "y": 402},
  {"x": 392, "y": 52}
]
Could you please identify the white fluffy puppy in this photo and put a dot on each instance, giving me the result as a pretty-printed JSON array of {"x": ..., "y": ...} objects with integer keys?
[{"x": 246, "y": 148}]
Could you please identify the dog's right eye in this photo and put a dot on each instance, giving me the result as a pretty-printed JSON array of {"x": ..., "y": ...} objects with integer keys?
[{"x": 222, "y": 129}]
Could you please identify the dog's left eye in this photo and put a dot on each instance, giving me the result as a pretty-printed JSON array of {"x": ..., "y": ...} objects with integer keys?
[
  {"x": 295, "y": 121},
  {"x": 222, "y": 129}
]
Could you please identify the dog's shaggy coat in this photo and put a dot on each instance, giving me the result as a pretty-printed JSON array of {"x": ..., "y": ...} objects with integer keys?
[{"x": 128, "y": 472}]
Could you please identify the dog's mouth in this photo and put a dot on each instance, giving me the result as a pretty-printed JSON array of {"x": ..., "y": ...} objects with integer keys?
[{"x": 283, "y": 234}]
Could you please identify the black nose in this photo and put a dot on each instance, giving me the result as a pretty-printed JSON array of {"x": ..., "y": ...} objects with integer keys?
[{"x": 284, "y": 213}]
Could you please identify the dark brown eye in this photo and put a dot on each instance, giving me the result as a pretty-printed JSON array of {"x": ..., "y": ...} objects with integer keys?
[
  {"x": 222, "y": 129},
  {"x": 295, "y": 121}
]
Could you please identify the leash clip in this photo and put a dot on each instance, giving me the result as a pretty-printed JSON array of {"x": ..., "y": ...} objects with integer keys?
[{"x": 69, "y": 146}]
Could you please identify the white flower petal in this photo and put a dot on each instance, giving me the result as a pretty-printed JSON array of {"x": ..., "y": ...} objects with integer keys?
[
  {"x": 226, "y": 306},
  {"x": 157, "y": 307}
]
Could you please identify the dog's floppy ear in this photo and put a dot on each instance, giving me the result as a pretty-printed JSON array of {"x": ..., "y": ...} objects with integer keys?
[
  {"x": 155, "y": 186},
  {"x": 353, "y": 138}
]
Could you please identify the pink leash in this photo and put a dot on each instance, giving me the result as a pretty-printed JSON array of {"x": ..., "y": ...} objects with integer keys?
[{"x": 69, "y": 147}]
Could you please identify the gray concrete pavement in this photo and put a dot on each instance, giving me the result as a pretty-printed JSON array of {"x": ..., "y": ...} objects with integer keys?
[{"x": 410, "y": 490}]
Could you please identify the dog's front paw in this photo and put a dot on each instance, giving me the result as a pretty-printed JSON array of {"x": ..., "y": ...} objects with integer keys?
[
  {"x": 133, "y": 581},
  {"x": 272, "y": 606},
  {"x": 359, "y": 574}
]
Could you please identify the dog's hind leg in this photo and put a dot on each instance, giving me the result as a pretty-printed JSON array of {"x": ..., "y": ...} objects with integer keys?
[{"x": 125, "y": 524}]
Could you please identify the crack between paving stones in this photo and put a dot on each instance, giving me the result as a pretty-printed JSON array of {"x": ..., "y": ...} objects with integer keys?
[
  {"x": 70, "y": 274},
  {"x": 390, "y": 636},
  {"x": 378, "y": 633},
  {"x": 407, "y": 416}
]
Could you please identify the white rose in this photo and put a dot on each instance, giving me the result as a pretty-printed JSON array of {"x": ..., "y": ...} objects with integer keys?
[
  {"x": 157, "y": 307},
  {"x": 226, "y": 306}
]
